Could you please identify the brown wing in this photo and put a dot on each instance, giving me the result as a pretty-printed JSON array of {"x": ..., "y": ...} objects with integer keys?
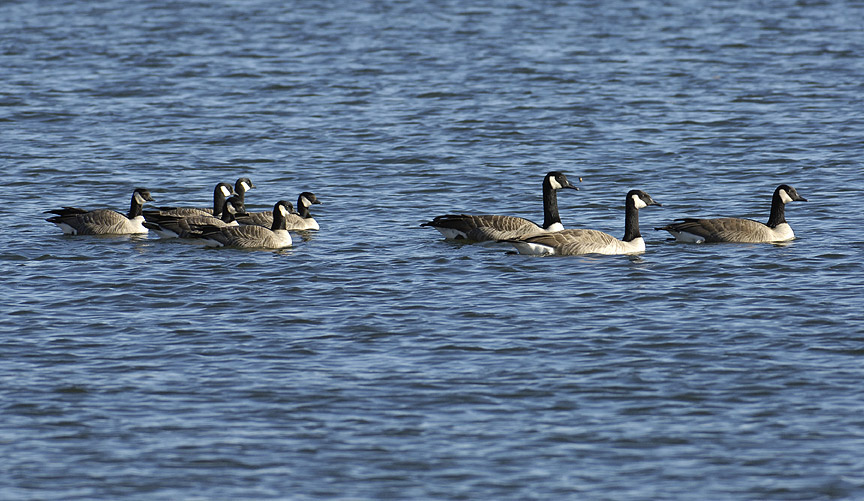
[
  {"x": 264, "y": 219},
  {"x": 482, "y": 228},
  {"x": 576, "y": 241},
  {"x": 245, "y": 237},
  {"x": 99, "y": 222},
  {"x": 180, "y": 211},
  {"x": 724, "y": 229}
]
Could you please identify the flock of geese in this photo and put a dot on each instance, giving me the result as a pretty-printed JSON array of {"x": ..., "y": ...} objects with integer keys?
[
  {"x": 227, "y": 224},
  {"x": 552, "y": 239}
]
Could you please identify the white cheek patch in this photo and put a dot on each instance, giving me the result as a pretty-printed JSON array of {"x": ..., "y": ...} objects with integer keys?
[
  {"x": 785, "y": 197},
  {"x": 245, "y": 186},
  {"x": 638, "y": 202},
  {"x": 554, "y": 183},
  {"x": 139, "y": 199},
  {"x": 225, "y": 191},
  {"x": 283, "y": 211},
  {"x": 305, "y": 202}
]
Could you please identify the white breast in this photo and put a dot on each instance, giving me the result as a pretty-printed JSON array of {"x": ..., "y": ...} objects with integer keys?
[
  {"x": 783, "y": 232},
  {"x": 137, "y": 225},
  {"x": 555, "y": 227}
]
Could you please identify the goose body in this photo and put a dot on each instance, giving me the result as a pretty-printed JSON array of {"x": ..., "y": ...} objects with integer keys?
[
  {"x": 173, "y": 226},
  {"x": 251, "y": 236},
  {"x": 74, "y": 221},
  {"x": 740, "y": 230},
  {"x": 299, "y": 221},
  {"x": 488, "y": 227},
  {"x": 581, "y": 241},
  {"x": 220, "y": 193}
]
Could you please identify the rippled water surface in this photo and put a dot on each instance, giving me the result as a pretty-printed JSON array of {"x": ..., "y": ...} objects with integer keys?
[{"x": 374, "y": 360}]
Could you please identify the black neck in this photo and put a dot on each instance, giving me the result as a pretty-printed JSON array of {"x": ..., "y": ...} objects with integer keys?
[
  {"x": 778, "y": 211},
  {"x": 218, "y": 201},
  {"x": 135, "y": 207},
  {"x": 279, "y": 221},
  {"x": 227, "y": 215},
  {"x": 550, "y": 206},
  {"x": 302, "y": 209},
  {"x": 631, "y": 221}
]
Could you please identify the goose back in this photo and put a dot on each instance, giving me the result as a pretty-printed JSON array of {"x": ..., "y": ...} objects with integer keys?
[{"x": 484, "y": 227}]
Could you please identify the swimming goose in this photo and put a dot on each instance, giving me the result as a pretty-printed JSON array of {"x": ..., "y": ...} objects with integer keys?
[
  {"x": 220, "y": 193},
  {"x": 74, "y": 221},
  {"x": 579, "y": 241},
  {"x": 252, "y": 236},
  {"x": 733, "y": 229},
  {"x": 301, "y": 220},
  {"x": 173, "y": 226},
  {"x": 484, "y": 228}
]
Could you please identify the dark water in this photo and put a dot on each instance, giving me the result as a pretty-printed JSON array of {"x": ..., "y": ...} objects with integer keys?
[{"x": 374, "y": 360}]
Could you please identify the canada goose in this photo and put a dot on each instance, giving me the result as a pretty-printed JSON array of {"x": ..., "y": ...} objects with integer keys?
[
  {"x": 74, "y": 221},
  {"x": 733, "y": 229},
  {"x": 220, "y": 193},
  {"x": 252, "y": 236},
  {"x": 301, "y": 220},
  {"x": 484, "y": 228},
  {"x": 173, "y": 226},
  {"x": 578, "y": 241}
]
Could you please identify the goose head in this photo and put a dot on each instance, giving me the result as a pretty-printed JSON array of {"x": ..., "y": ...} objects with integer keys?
[
  {"x": 284, "y": 207},
  {"x": 280, "y": 214},
  {"x": 306, "y": 199},
  {"x": 243, "y": 185},
  {"x": 142, "y": 195},
  {"x": 788, "y": 194},
  {"x": 640, "y": 199},
  {"x": 224, "y": 190},
  {"x": 233, "y": 207},
  {"x": 558, "y": 181}
]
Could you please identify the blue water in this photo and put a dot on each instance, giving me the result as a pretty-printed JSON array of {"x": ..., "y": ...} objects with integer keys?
[{"x": 374, "y": 360}]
